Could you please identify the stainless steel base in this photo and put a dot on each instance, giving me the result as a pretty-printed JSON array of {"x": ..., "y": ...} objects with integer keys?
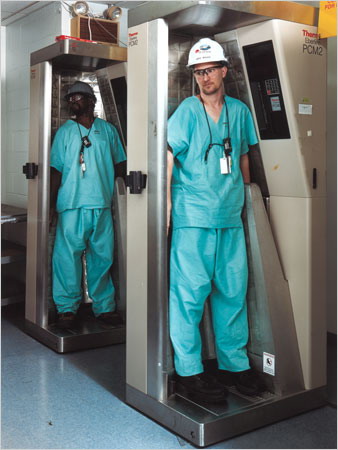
[
  {"x": 89, "y": 334},
  {"x": 204, "y": 425}
]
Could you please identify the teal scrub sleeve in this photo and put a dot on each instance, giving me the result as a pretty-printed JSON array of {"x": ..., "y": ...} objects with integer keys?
[
  {"x": 57, "y": 156},
  {"x": 249, "y": 136},
  {"x": 180, "y": 129},
  {"x": 118, "y": 152}
]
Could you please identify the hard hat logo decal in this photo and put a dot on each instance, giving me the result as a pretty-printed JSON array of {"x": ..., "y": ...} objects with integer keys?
[{"x": 205, "y": 50}]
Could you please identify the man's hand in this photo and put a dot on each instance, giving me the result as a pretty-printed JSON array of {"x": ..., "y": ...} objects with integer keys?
[
  {"x": 170, "y": 164},
  {"x": 52, "y": 217},
  {"x": 168, "y": 215},
  {"x": 121, "y": 170},
  {"x": 244, "y": 165},
  {"x": 55, "y": 182}
]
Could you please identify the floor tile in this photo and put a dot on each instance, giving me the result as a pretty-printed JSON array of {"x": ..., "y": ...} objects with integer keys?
[{"x": 76, "y": 401}]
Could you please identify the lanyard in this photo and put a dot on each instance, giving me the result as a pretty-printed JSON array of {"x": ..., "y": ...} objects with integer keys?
[
  {"x": 85, "y": 143},
  {"x": 226, "y": 144},
  {"x": 84, "y": 139}
]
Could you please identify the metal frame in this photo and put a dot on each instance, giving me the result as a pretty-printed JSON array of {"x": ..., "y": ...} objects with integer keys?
[
  {"x": 150, "y": 388},
  {"x": 203, "y": 427},
  {"x": 38, "y": 207},
  {"x": 73, "y": 55},
  {"x": 158, "y": 341},
  {"x": 209, "y": 18},
  {"x": 63, "y": 341}
]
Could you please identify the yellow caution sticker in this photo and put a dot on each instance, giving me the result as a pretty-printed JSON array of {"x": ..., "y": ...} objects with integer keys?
[{"x": 327, "y": 24}]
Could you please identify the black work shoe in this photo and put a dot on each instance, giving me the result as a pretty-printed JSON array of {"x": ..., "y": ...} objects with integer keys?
[
  {"x": 248, "y": 382},
  {"x": 224, "y": 377},
  {"x": 201, "y": 387},
  {"x": 110, "y": 318},
  {"x": 65, "y": 320}
]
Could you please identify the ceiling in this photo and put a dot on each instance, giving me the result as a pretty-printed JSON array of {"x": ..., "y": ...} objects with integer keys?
[
  {"x": 12, "y": 10},
  {"x": 9, "y": 9}
]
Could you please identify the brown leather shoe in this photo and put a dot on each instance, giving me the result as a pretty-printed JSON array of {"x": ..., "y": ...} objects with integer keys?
[
  {"x": 112, "y": 318},
  {"x": 65, "y": 320}
]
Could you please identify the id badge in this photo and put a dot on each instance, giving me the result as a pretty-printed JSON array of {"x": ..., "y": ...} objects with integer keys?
[
  {"x": 82, "y": 164},
  {"x": 86, "y": 142},
  {"x": 225, "y": 163}
]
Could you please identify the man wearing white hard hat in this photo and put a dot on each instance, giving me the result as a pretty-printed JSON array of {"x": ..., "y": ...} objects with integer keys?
[
  {"x": 209, "y": 136},
  {"x": 86, "y": 156}
]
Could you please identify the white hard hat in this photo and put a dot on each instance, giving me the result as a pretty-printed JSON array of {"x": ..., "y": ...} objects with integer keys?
[{"x": 204, "y": 51}]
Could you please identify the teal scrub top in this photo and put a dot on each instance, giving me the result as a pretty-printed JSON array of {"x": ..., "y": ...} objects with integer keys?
[
  {"x": 201, "y": 195},
  {"x": 95, "y": 189}
]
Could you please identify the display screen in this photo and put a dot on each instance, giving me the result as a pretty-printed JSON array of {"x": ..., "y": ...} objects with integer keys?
[
  {"x": 119, "y": 87},
  {"x": 266, "y": 91}
]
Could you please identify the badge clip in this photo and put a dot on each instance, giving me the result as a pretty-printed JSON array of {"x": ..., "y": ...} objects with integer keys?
[{"x": 85, "y": 141}]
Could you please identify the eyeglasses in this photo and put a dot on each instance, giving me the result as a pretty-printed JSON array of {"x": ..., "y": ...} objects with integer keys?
[
  {"x": 75, "y": 98},
  {"x": 210, "y": 71}
]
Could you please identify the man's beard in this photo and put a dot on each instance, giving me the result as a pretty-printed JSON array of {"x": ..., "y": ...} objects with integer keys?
[
  {"x": 80, "y": 111},
  {"x": 205, "y": 92},
  {"x": 210, "y": 91}
]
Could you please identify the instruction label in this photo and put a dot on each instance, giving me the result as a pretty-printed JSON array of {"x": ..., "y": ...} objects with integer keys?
[
  {"x": 305, "y": 109},
  {"x": 269, "y": 364}
]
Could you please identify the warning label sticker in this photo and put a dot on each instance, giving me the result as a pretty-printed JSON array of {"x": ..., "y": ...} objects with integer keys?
[
  {"x": 275, "y": 103},
  {"x": 305, "y": 109},
  {"x": 269, "y": 364}
]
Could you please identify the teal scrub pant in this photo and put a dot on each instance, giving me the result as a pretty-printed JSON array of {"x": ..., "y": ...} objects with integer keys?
[
  {"x": 80, "y": 230},
  {"x": 207, "y": 262}
]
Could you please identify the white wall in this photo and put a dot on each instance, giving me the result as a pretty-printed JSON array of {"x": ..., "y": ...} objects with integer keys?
[
  {"x": 21, "y": 38},
  {"x": 332, "y": 186},
  {"x": 24, "y": 36}
]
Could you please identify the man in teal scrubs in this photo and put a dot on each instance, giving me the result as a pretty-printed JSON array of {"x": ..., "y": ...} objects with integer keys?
[
  {"x": 209, "y": 136},
  {"x": 86, "y": 156}
]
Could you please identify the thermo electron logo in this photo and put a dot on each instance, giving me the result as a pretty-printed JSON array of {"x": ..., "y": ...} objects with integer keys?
[
  {"x": 310, "y": 35},
  {"x": 133, "y": 39},
  {"x": 311, "y": 44}
]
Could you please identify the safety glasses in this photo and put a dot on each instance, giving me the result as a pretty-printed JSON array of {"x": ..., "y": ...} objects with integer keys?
[
  {"x": 210, "y": 71},
  {"x": 75, "y": 98}
]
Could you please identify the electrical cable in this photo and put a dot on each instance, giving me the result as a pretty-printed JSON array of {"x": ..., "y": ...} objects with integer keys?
[
  {"x": 68, "y": 9},
  {"x": 89, "y": 28}
]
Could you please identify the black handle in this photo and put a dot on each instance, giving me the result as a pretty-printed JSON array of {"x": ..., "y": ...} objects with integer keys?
[
  {"x": 314, "y": 178},
  {"x": 136, "y": 181},
  {"x": 30, "y": 170}
]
